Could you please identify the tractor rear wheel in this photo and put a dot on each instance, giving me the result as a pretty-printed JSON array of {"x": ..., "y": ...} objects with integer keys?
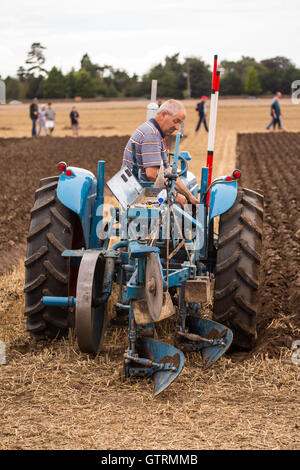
[
  {"x": 47, "y": 272},
  {"x": 237, "y": 268}
]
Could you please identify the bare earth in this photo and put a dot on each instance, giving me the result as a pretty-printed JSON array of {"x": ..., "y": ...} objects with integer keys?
[{"x": 54, "y": 397}]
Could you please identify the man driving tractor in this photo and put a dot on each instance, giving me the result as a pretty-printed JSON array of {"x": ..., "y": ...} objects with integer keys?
[{"x": 151, "y": 147}]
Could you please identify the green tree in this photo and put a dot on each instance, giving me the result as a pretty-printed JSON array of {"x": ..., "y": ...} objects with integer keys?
[
  {"x": 231, "y": 84},
  {"x": 279, "y": 73},
  {"x": 22, "y": 74},
  {"x": 198, "y": 76},
  {"x": 119, "y": 78},
  {"x": 36, "y": 59},
  {"x": 85, "y": 87},
  {"x": 133, "y": 87},
  {"x": 70, "y": 81},
  {"x": 100, "y": 86},
  {"x": 12, "y": 88},
  {"x": 271, "y": 80},
  {"x": 94, "y": 69},
  {"x": 289, "y": 75},
  {"x": 252, "y": 84},
  {"x": 35, "y": 86},
  {"x": 111, "y": 91},
  {"x": 278, "y": 62},
  {"x": 241, "y": 67},
  {"x": 55, "y": 84},
  {"x": 170, "y": 76}
]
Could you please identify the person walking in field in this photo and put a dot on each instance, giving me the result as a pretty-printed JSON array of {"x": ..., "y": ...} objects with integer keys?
[
  {"x": 275, "y": 113},
  {"x": 33, "y": 113},
  {"x": 50, "y": 118},
  {"x": 74, "y": 115},
  {"x": 42, "y": 120},
  {"x": 201, "y": 108}
]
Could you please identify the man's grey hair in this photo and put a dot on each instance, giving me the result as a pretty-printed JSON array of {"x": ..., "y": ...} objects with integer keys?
[{"x": 172, "y": 107}]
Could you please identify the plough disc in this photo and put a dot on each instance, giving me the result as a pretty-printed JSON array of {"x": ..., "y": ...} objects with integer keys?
[
  {"x": 154, "y": 287},
  {"x": 163, "y": 354},
  {"x": 218, "y": 337}
]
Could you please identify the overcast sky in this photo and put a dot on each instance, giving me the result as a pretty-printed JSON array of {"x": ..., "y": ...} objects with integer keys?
[{"x": 136, "y": 34}]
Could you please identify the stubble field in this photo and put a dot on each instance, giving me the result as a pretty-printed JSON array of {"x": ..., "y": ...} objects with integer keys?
[{"x": 54, "y": 397}]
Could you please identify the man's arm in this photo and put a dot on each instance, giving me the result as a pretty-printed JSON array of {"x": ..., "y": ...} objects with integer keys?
[
  {"x": 182, "y": 189},
  {"x": 151, "y": 173}
]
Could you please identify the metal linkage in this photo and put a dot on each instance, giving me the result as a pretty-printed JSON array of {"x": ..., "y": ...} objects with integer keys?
[
  {"x": 205, "y": 342},
  {"x": 153, "y": 366}
]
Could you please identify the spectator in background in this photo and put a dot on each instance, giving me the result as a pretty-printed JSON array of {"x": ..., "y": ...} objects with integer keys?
[
  {"x": 42, "y": 120},
  {"x": 74, "y": 115},
  {"x": 201, "y": 108},
  {"x": 33, "y": 113},
  {"x": 275, "y": 113},
  {"x": 50, "y": 118}
]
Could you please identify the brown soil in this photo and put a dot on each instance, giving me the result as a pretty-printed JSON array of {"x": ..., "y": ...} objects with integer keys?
[
  {"x": 52, "y": 396},
  {"x": 270, "y": 163},
  {"x": 25, "y": 161}
]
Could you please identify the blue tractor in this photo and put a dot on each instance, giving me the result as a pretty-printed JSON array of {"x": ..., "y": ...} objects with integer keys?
[{"x": 167, "y": 261}]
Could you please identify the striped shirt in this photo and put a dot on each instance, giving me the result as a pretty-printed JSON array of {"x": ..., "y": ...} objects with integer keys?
[{"x": 150, "y": 147}]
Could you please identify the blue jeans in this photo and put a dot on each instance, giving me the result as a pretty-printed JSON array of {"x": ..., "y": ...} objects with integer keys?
[
  {"x": 201, "y": 119},
  {"x": 275, "y": 121},
  {"x": 33, "y": 131}
]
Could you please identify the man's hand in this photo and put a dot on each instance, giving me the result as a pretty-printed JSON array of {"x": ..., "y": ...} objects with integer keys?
[
  {"x": 182, "y": 189},
  {"x": 181, "y": 200},
  {"x": 193, "y": 200},
  {"x": 151, "y": 172}
]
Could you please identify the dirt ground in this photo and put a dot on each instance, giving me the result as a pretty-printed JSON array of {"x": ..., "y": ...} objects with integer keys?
[
  {"x": 54, "y": 397},
  {"x": 269, "y": 163},
  {"x": 27, "y": 161}
]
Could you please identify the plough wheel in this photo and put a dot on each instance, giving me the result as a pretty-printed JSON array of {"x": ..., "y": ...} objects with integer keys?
[
  {"x": 47, "y": 272},
  {"x": 90, "y": 313},
  {"x": 237, "y": 269}
]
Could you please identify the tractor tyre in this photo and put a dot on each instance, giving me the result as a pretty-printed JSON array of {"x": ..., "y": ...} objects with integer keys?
[
  {"x": 46, "y": 271},
  {"x": 238, "y": 268}
]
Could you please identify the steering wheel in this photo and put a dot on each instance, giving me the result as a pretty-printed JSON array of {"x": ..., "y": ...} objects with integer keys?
[{"x": 185, "y": 165}]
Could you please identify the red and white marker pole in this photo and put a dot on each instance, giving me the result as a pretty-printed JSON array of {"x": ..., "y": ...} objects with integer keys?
[{"x": 212, "y": 122}]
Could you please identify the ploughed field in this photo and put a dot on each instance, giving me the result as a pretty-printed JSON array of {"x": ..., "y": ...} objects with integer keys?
[
  {"x": 54, "y": 397},
  {"x": 24, "y": 162},
  {"x": 270, "y": 163}
]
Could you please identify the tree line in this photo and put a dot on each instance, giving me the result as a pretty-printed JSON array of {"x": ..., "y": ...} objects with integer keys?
[{"x": 190, "y": 78}]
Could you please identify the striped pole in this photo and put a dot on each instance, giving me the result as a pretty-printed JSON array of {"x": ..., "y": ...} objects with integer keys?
[
  {"x": 153, "y": 106},
  {"x": 212, "y": 122},
  {"x": 214, "y": 72}
]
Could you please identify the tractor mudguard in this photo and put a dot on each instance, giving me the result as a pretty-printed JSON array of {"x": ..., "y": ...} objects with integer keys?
[
  {"x": 222, "y": 197},
  {"x": 78, "y": 193}
]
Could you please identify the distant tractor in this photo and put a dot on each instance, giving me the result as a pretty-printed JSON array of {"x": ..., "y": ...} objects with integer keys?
[{"x": 166, "y": 262}]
